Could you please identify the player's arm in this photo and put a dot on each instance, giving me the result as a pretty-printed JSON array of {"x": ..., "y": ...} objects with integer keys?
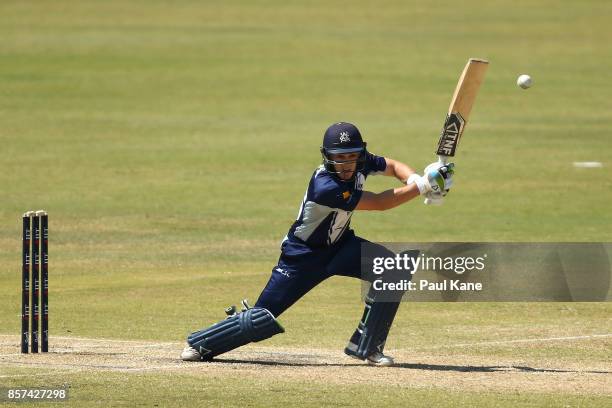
[
  {"x": 435, "y": 180},
  {"x": 388, "y": 198},
  {"x": 397, "y": 169}
]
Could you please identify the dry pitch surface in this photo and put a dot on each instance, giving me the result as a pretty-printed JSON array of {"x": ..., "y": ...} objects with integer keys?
[{"x": 464, "y": 370}]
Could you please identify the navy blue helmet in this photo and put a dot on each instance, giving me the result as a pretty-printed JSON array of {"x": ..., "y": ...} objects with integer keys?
[{"x": 343, "y": 137}]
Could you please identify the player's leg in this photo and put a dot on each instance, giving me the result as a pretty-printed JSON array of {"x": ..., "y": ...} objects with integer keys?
[
  {"x": 250, "y": 325},
  {"x": 290, "y": 280},
  {"x": 368, "y": 340}
]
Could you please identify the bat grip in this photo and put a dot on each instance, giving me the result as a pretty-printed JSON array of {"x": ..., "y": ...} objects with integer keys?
[{"x": 443, "y": 160}]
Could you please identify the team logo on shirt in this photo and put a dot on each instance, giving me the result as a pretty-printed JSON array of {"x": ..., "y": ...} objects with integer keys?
[
  {"x": 344, "y": 137},
  {"x": 346, "y": 195}
]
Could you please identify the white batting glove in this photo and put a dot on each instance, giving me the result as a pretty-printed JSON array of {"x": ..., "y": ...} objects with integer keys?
[{"x": 437, "y": 179}]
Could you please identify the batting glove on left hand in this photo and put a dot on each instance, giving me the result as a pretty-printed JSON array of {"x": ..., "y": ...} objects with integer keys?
[{"x": 437, "y": 179}]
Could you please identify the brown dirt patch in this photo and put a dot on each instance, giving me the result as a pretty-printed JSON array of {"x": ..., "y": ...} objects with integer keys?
[{"x": 414, "y": 369}]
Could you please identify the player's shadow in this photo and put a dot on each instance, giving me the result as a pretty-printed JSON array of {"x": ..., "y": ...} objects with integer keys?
[
  {"x": 488, "y": 369},
  {"x": 412, "y": 366}
]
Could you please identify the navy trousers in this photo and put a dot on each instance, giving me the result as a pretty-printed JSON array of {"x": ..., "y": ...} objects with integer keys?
[{"x": 294, "y": 276}]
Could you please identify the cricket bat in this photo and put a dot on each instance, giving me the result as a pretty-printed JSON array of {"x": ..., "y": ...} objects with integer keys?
[{"x": 460, "y": 108}]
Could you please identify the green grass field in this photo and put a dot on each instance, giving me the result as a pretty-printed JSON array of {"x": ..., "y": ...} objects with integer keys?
[{"x": 171, "y": 143}]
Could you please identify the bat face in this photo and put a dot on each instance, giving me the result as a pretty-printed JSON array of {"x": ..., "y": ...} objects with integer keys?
[{"x": 461, "y": 106}]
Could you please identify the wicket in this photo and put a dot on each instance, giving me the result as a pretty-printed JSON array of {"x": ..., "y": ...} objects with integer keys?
[{"x": 35, "y": 256}]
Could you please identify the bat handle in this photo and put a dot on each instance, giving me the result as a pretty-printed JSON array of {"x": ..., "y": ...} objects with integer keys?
[{"x": 443, "y": 160}]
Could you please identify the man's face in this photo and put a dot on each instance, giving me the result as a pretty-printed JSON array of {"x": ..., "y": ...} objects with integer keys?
[{"x": 348, "y": 164}]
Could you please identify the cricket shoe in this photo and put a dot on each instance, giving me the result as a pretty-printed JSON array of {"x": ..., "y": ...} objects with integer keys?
[
  {"x": 190, "y": 354},
  {"x": 376, "y": 358},
  {"x": 379, "y": 359}
]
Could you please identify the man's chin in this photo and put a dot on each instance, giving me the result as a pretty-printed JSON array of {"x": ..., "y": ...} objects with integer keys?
[{"x": 346, "y": 176}]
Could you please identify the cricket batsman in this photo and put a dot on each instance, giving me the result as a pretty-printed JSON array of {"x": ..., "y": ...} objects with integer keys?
[{"x": 321, "y": 244}]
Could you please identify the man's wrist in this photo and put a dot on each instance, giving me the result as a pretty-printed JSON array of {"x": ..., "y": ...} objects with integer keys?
[{"x": 420, "y": 182}]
